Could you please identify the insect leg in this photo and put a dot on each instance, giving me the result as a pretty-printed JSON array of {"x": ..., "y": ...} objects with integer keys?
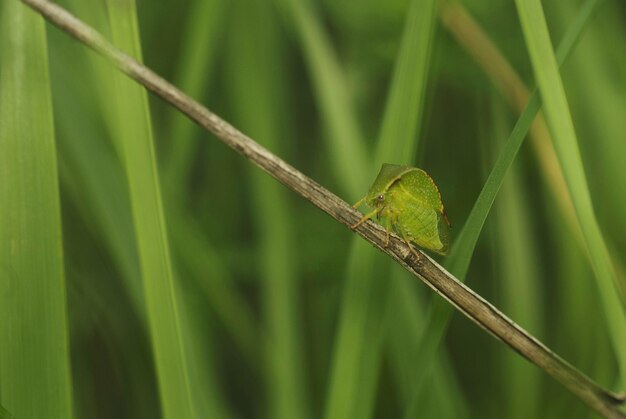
[
  {"x": 387, "y": 236},
  {"x": 406, "y": 240},
  {"x": 365, "y": 218},
  {"x": 359, "y": 202}
]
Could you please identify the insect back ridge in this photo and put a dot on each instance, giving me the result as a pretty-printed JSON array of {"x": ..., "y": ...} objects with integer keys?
[
  {"x": 388, "y": 174},
  {"x": 407, "y": 199}
]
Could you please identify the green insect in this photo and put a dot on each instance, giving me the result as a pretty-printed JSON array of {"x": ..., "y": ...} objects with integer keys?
[{"x": 406, "y": 199}]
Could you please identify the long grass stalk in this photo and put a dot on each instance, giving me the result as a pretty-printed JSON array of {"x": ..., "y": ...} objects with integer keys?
[
  {"x": 471, "y": 36},
  {"x": 35, "y": 378},
  {"x": 196, "y": 65},
  {"x": 463, "y": 248},
  {"x": 202, "y": 262},
  {"x": 483, "y": 50},
  {"x": 356, "y": 360},
  {"x": 398, "y": 143},
  {"x": 600, "y": 127},
  {"x": 593, "y": 352},
  {"x": 344, "y": 136},
  {"x": 107, "y": 207},
  {"x": 355, "y": 366},
  {"x": 201, "y": 345},
  {"x": 444, "y": 398},
  {"x": 520, "y": 285},
  {"x": 564, "y": 137},
  {"x": 103, "y": 200},
  {"x": 398, "y": 139},
  {"x": 5, "y": 414},
  {"x": 350, "y": 162},
  {"x": 259, "y": 97},
  {"x": 101, "y": 203},
  {"x": 133, "y": 137}
]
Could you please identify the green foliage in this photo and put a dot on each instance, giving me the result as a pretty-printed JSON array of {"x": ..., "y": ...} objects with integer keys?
[
  {"x": 566, "y": 144},
  {"x": 4, "y": 414},
  {"x": 344, "y": 136},
  {"x": 520, "y": 271},
  {"x": 255, "y": 70},
  {"x": 133, "y": 137},
  {"x": 266, "y": 308},
  {"x": 359, "y": 340},
  {"x": 464, "y": 245},
  {"x": 200, "y": 43},
  {"x": 35, "y": 377}
]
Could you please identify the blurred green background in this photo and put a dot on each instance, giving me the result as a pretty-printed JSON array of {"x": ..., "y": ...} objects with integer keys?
[{"x": 197, "y": 286}]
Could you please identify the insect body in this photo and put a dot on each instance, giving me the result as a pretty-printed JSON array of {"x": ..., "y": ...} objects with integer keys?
[{"x": 406, "y": 199}]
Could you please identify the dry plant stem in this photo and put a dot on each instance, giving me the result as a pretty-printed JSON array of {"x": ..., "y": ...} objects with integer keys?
[{"x": 419, "y": 264}]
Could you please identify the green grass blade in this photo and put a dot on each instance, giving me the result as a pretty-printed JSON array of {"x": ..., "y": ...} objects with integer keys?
[
  {"x": 106, "y": 202},
  {"x": 34, "y": 355},
  {"x": 463, "y": 247},
  {"x": 103, "y": 206},
  {"x": 102, "y": 200},
  {"x": 4, "y": 414},
  {"x": 561, "y": 127},
  {"x": 135, "y": 142},
  {"x": 601, "y": 126},
  {"x": 359, "y": 321},
  {"x": 344, "y": 136},
  {"x": 202, "y": 261},
  {"x": 593, "y": 352},
  {"x": 398, "y": 142},
  {"x": 407, "y": 313},
  {"x": 196, "y": 66},
  {"x": 106, "y": 205},
  {"x": 102, "y": 203},
  {"x": 201, "y": 342},
  {"x": 88, "y": 89},
  {"x": 258, "y": 98},
  {"x": 357, "y": 354},
  {"x": 520, "y": 285},
  {"x": 399, "y": 136},
  {"x": 351, "y": 167}
]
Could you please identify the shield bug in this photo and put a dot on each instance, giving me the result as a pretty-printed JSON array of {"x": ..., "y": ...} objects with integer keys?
[{"x": 406, "y": 199}]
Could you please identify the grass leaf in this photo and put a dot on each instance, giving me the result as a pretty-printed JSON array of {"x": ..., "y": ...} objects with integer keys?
[
  {"x": 257, "y": 56},
  {"x": 4, "y": 414},
  {"x": 34, "y": 355},
  {"x": 463, "y": 247},
  {"x": 196, "y": 65},
  {"x": 399, "y": 135},
  {"x": 344, "y": 136},
  {"x": 357, "y": 353},
  {"x": 561, "y": 126},
  {"x": 518, "y": 265},
  {"x": 135, "y": 143}
]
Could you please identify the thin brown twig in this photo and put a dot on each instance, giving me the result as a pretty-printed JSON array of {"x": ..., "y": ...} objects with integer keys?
[{"x": 456, "y": 293}]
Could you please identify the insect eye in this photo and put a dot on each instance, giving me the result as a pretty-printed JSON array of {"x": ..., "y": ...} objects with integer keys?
[{"x": 381, "y": 197}]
